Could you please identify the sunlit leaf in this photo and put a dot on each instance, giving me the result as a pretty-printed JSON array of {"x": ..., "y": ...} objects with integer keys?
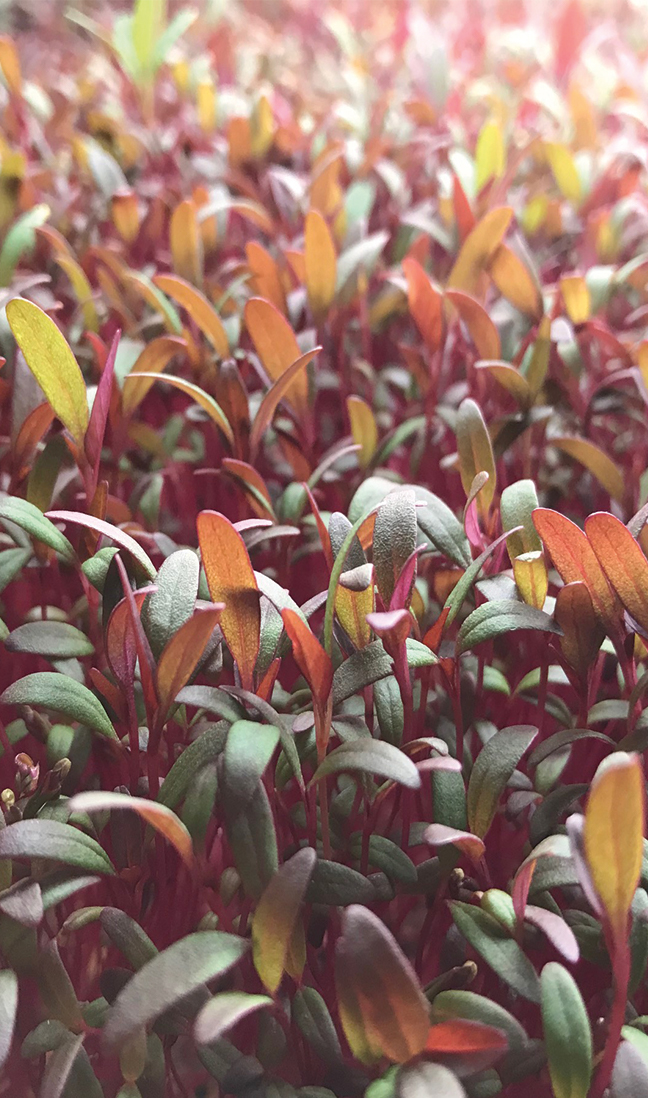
[
  {"x": 159, "y": 817},
  {"x": 50, "y": 359},
  {"x": 276, "y": 916}
]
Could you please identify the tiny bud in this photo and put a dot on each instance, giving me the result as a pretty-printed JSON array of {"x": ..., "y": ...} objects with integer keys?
[
  {"x": 62, "y": 768},
  {"x": 37, "y": 724},
  {"x": 8, "y": 798}
]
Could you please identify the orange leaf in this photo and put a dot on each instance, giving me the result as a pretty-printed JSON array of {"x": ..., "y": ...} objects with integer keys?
[
  {"x": 313, "y": 662},
  {"x": 478, "y": 249},
  {"x": 125, "y": 215},
  {"x": 182, "y": 654},
  {"x": 230, "y": 578},
  {"x": 425, "y": 304},
  {"x": 622, "y": 561},
  {"x": 277, "y": 347},
  {"x": 483, "y": 332},
  {"x": 10, "y": 65},
  {"x": 186, "y": 242},
  {"x": 154, "y": 358},
  {"x": 321, "y": 263},
  {"x": 199, "y": 309},
  {"x": 266, "y": 280},
  {"x": 463, "y": 1035},
  {"x": 516, "y": 283},
  {"x": 613, "y": 836},
  {"x": 582, "y": 632},
  {"x": 381, "y": 1003},
  {"x": 575, "y": 559},
  {"x": 275, "y": 395},
  {"x": 253, "y": 485},
  {"x": 161, "y": 818},
  {"x": 510, "y": 379}
]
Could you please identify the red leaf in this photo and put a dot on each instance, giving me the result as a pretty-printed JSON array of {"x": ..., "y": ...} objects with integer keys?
[{"x": 313, "y": 662}]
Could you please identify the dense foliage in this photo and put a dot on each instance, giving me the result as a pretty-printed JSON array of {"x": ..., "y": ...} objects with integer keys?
[{"x": 324, "y": 489}]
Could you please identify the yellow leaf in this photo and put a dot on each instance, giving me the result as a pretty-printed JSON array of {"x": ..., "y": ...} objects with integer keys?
[
  {"x": 539, "y": 362},
  {"x": 613, "y": 836},
  {"x": 510, "y": 379},
  {"x": 363, "y": 428},
  {"x": 597, "y": 461},
  {"x": 206, "y": 402},
  {"x": 52, "y": 363},
  {"x": 206, "y": 105},
  {"x": 199, "y": 309},
  {"x": 262, "y": 127},
  {"x": 321, "y": 263},
  {"x": 478, "y": 249},
  {"x": 276, "y": 915},
  {"x": 530, "y": 573},
  {"x": 516, "y": 283},
  {"x": 564, "y": 171},
  {"x": 490, "y": 156},
  {"x": 186, "y": 242},
  {"x": 576, "y": 297}
]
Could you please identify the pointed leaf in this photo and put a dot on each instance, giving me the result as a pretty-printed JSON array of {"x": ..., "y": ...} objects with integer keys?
[
  {"x": 182, "y": 654},
  {"x": 36, "y": 524},
  {"x": 275, "y": 395},
  {"x": 276, "y": 346},
  {"x": 493, "y": 767},
  {"x": 231, "y": 580},
  {"x": 120, "y": 537},
  {"x": 53, "y": 841},
  {"x": 478, "y": 249},
  {"x": 493, "y": 619},
  {"x": 321, "y": 263},
  {"x": 50, "y": 359},
  {"x": 313, "y": 662},
  {"x": 276, "y": 916},
  {"x": 201, "y": 312},
  {"x": 203, "y": 399},
  {"x": 475, "y": 452},
  {"x": 575, "y": 559},
  {"x": 159, "y": 817},
  {"x": 501, "y": 952}
]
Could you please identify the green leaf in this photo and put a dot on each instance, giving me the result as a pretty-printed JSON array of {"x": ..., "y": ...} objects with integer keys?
[
  {"x": 178, "y": 26},
  {"x": 394, "y": 539},
  {"x": 248, "y": 750},
  {"x": 53, "y": 639},
  {"x": 314, "y": 1021},
  {"x": 338, "y": 885},
  {"x": 20, "y": 240},
  {"x": 169, "y": 977},
  {"x": 562, "y": 739},
  {"x": 149, "y": 17},
  {"x": 361, "y": 256},
  {"x": 8, "y": 1008},
  {"x": 493, "y": 619},
  {"x": 418, "y": 654},
  {"x": 363, "y": 667},
  {"x": 96, "y": 567},
  {"x": 371, "y": 757},
  {"x": 385, "y": 855},
  {"x": 456, "y": 597},
  {"x": 224, "y": 1011},
  {"x": 54, "y": 841},
  {"x": 52, "y": 363},
  {"x": 12, "y": 561},
  {"x": 168, "y": 608},
  {"x": 34, "y": 522},
  {"x": 63, "y": 695},
  {"x": 276, "y": 917},
  {"x": 442, "y": 528},
  {"x": 518, "y": 502},
  {"x": 252, "y": 837},
  {"x": 199, "y": 754},
  {"x": 493, "y": 768},
  {"x": 133, "y": 942},
  {"x": 499, "y": 950},
  {"x": 567, "y": 1034}
]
